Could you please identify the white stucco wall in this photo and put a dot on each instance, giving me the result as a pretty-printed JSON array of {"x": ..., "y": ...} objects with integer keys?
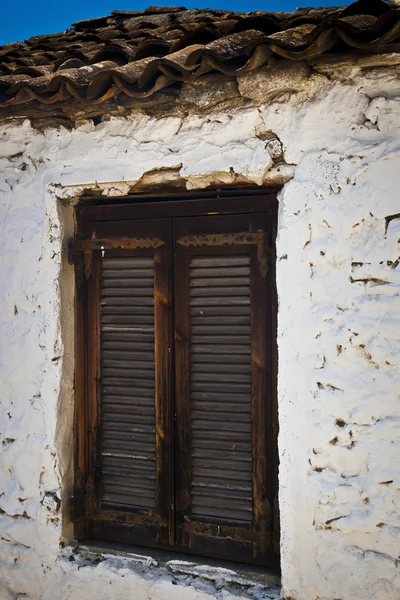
[{"x": 339, "y": 343}]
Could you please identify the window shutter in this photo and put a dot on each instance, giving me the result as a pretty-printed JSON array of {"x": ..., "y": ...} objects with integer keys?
[
  {"x": 176, "y": 440},
  {"x": 129, "y": 464},
  {"x": 223, "y": 389}
]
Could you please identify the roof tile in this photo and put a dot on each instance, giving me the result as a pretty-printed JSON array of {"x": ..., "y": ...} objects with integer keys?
[{"x": 137, "y": 53}]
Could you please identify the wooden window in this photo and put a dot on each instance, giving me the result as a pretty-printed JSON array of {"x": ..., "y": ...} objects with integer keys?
[{"x": 176, "y": 420}]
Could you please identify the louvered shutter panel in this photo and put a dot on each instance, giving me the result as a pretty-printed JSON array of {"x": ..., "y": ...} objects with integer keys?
[
  {"x": 128, "y": 423},
  {"x": 223, "y": 497},
  {"x": 220, "y": 365},
  {"x": 130, "y": 484}
]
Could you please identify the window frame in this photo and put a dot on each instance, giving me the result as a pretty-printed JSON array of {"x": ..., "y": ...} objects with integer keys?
[{"x": 91, "y": 216}]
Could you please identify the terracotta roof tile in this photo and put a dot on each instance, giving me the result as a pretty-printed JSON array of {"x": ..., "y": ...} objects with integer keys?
[{"x": 137, "y": 53}]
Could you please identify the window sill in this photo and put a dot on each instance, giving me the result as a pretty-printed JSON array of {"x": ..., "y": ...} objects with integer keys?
[{"x": 181, "y": 567}]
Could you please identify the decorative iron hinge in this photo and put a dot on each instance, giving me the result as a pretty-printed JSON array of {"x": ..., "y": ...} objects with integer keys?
[
  {"x": 258, "y": 238},
  {"x": 80, "y": 251},
  {"x": 115, "y": 244},
  {"x": 262, "y": 257}
]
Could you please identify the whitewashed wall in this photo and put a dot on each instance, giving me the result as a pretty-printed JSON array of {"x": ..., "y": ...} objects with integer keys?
[{"x": 339, "y": 339}]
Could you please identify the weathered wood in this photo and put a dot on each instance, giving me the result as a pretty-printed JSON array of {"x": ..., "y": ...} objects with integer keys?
[
  {"x": 262, "y": 515},
  {"x": 128, "y": 412},
  {"x": 207, "y": 391},
  {"x": 80, "y": 416},
  {"x": 182, "y": 394},
  {"x": 164, "y": 382},
  {"x": 93, "y": 481},
  {"x": 174, "y": 205},
  {"x": 117, "y": 486},
  {"x": 215, "y": 466},
  {"x": 272, "y": 383},
  {"x": 148, "y": 518}
]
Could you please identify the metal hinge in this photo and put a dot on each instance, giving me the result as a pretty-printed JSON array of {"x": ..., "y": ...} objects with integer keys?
[
  {"x": 114, "y": 244},
  {"x": 258, "y": 238},
  {"x": 80, "y": 251},
  {"x": 82, "y": 261}
]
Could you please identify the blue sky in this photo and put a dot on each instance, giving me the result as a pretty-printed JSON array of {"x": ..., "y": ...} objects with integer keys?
[{"x": 20, "y": 19}]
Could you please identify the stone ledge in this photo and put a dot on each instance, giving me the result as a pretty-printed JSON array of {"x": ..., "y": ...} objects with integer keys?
[{"x": 256, "y": 582}]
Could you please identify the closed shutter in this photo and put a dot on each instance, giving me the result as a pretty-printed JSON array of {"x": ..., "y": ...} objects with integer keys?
[
  {"x": 221, "y": 305},
  {"x": 176, "y": 406},
  {"x": 129, "y": 379}
]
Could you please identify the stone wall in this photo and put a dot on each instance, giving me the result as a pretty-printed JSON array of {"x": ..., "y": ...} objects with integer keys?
[{"x": 338, "y": 277}]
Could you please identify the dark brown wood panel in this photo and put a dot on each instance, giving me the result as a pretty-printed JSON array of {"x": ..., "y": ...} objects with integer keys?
[
  {"x": 164, "y": 380},
  {"x": 197, "y": 205},
  {"x": 221, "y": 308},
  {"x": 262, "y": 514},
  {"x": 129, "y": 417},
  {"x": 176, "y": 436},
  {"x": 80, "y": 416},
  {"x": 93, "y": 481},
  {"x": 91, "y": 216}
]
